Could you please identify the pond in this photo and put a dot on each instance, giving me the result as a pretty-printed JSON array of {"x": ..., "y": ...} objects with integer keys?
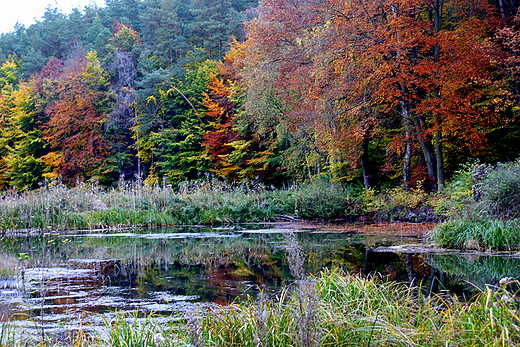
[{"x": 56, "y": 281}]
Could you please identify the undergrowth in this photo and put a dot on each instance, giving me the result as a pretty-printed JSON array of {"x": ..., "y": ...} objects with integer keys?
[{"x": 488, "y": 211}]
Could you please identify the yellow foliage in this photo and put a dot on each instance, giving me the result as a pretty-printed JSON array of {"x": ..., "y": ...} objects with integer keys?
[{"x": 54, "y": 160}]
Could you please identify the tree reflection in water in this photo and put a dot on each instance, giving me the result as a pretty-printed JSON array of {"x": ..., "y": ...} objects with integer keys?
[{"x": 58, "y": 276}]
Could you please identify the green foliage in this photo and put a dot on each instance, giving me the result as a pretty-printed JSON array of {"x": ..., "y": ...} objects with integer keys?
[
  {"x": 21, "y": 138},
  {"x": 163, "y": 32},
  {"x": 172, "y": 137},
  {"x": 321, "y": 198},
  {"x": 457, "y": 196},
  {"x": 500, "y": 191}
]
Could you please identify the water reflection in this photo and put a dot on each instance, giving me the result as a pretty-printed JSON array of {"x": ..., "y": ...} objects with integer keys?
[{"x": 63, "y": 277}]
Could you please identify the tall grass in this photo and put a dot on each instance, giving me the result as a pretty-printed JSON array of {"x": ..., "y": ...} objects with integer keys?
[
  {"x": 55, "y": 206},
  {"x": 478, "y": 234},
  {"x": 369, "y": 312},
  {"x": 124, "y": 330},
  {"x": 348, "y": 310},
  {"x": 352, "y": 311}
]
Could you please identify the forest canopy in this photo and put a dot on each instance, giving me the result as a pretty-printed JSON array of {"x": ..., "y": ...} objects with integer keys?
[{"x": 392, "y": 91}]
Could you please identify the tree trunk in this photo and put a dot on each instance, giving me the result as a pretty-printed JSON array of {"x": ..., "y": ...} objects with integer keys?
[
  {"x": 426, "y": 147},
  {"x": 439, "y": 159},
  {"x": 437, "y": 21},
  {"x": 502, "y": 11},
  {"x": 364, "y": 162},
  {"x": 408, "y": 148}
]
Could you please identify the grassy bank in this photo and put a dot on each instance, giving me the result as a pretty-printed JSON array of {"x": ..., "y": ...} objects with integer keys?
[
  {"x": 332, "y": 310},
  {"x": 203, "y": 202},
  {"x": 482, "y": 235}
]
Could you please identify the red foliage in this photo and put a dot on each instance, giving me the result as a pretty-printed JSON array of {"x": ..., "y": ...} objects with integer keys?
[
  {"x": 217, "y": 140},
  {"x": 74, "y": 129},
  {"x": 346, "y": 69}
]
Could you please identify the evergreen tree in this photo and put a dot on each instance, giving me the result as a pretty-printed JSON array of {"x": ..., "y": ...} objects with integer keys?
[
  {"x": 124, "y": 11},
  {"x": 214, "y": 23},
  {"x": 163, "y": 31}
]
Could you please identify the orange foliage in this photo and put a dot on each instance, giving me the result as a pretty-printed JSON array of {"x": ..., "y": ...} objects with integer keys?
[
  {"x": 217, "y": 140},
  {"x": 74, "y": 129},
  {"x": 348, "y": 69}
]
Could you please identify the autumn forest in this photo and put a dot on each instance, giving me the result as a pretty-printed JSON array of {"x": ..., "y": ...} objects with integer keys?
[{"x": 397, "y": 92}]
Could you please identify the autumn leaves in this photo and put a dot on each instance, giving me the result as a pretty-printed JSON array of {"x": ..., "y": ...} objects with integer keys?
[
  {"x": 408, "y": 80},
  {"x": 368, "y": 91}
]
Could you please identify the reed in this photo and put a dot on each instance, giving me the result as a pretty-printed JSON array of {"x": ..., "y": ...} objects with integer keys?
[
  {"x": 353, "y": 311},
  {"x": 89, "y": 206}
]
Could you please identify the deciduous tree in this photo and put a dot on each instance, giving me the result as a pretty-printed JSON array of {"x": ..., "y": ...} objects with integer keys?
[{"x": 75, "y": 127}]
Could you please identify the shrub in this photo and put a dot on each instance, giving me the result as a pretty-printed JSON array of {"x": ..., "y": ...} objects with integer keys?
[
  {"x": 457, "y": 196},
  {"x": 399, "y": 204},
  {"x": 499, "y": 191}
]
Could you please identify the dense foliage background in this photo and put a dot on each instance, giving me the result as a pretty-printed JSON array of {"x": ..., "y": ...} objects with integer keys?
[{"x": 393, "y": 92}]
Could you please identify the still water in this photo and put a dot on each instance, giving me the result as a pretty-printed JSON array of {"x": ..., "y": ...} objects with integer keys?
[{"x": 58, "y": 279}]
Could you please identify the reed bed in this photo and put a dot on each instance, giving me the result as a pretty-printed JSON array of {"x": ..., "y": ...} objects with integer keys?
[{"x": 89, "y": 206}]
